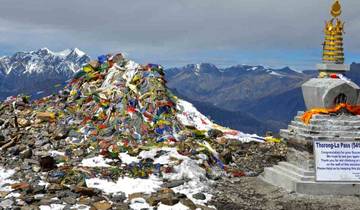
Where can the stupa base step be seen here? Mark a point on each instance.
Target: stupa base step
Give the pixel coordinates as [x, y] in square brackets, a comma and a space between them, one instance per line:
[295, 179]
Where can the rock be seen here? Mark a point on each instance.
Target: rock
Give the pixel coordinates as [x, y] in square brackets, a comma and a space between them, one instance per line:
[29, 199]
[3, 194]
[174, 183]
[121, 206]
[169, 200]
[102, 205]
[85, 200]
[61, 133]
[118, 197]
[46, 147]
[23, 122]
[202, 207]
[14, 150]
[226, 156]
[69, 200]
[167, 197]
[31, 207]
[215, 133]
[136, 195]
[180, 195]
[86, 191]
[35, 168]
[46, 116]
[187, 202]
[45, 201]
[41, 142]
[39, 196]
[27, 153]
[66, 193]
[153, 200]
[47, 163]
[54, 187]
[8, 203]
[199, 196]
[20, 202]
[20, 186]
[215, 173]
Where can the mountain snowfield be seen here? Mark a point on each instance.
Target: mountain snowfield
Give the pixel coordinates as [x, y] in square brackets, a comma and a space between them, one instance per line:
[43, 61]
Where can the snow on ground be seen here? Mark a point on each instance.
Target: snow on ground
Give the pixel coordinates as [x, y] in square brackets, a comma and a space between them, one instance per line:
[163, 159]
[126, 158]
[189, 115]
[4, 179]
[126, 185]
[188, 169]
[139, 203]
[98, 161]
[52, 207]
[54, 153]
[62, 206]
[80, 206]
[178, 206]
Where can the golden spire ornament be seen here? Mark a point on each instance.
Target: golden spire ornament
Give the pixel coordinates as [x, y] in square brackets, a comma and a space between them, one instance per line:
[333, 51]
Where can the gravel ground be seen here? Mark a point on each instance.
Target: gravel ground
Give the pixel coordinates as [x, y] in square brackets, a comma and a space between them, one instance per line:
[253, 193]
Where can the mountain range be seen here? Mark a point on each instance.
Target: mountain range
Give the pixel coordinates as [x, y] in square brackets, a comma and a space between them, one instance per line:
[38, 73]
[264, 98]
[253, 99]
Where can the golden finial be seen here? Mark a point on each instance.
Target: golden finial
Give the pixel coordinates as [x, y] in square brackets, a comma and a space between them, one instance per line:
[336, 9]
[333, 51]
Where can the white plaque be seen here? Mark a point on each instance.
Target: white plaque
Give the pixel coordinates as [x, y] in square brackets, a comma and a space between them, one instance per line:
[337, 161]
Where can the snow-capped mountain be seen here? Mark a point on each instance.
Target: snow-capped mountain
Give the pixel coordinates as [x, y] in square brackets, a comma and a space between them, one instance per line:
[38, 71]
[207, 68]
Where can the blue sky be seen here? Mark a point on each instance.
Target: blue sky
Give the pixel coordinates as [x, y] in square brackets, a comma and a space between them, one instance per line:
[273, 33]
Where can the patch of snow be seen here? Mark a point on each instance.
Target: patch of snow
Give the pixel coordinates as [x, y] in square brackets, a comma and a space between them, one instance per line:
[163, 159]
[126, 185]
[80, 207]
[13, 195]
[139, 203]
[98, 161]
[188, 169]
[197, 69]
[193, 187]
[63, 53]
[178, 206]
[79, 52]
[54, 153]
[4, 179]
[126, 158]
[189, 115]
[277, 74]
[43, 183]
[52, 207]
